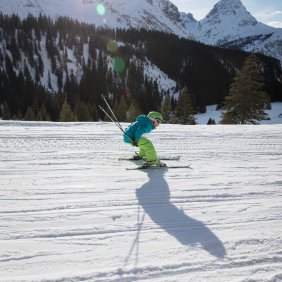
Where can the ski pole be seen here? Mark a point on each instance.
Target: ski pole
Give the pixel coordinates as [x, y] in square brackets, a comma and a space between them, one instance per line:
[114, 119]
[104, 98]
[116, 122]
[111, 119]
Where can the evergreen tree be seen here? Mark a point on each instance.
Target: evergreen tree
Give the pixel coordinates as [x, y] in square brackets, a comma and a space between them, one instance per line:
[93, 112]
[29, 115]
[45, 116]
[40, 65]
[133, 111]
[6, 112]
[184, 110]
[211, 121]
[166, 108]
[66, 114]
[39, 116]
[247, 100]
[81, 112]
[49, 81]
[120, 108]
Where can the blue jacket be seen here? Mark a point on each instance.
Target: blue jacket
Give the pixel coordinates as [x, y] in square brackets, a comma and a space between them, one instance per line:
[142, 125]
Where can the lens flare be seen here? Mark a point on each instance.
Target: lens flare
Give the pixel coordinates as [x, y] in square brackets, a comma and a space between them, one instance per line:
[101, 10]
[112, 46]
[118, 65]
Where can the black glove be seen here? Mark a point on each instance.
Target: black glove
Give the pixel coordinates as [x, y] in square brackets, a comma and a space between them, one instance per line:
[134, 142]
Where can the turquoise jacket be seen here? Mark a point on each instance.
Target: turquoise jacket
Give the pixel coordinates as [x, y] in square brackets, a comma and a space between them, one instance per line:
[142, 125]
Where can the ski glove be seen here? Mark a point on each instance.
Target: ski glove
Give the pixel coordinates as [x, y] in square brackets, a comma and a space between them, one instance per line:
[134, 142]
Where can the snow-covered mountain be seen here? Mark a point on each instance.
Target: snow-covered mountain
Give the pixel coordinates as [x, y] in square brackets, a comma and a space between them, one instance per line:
[228, 24]
[159, 15]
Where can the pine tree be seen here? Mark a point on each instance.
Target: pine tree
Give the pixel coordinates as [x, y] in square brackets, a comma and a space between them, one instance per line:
[66, 114]
[184, 110]
[49, 81]
[120, 108]
[133, 111]
[93, 112]
[166, 108]
[82, 112]
[43, 114]
[29, 115]
[247, 100]
[211, 121]
[6, 112]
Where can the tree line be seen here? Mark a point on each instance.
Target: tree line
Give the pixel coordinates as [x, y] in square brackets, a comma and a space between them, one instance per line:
[47, 66]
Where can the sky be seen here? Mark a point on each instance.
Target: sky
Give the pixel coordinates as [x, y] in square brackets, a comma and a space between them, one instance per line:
[265, 11]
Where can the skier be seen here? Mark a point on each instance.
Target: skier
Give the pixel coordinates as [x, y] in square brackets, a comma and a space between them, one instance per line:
[133, 135]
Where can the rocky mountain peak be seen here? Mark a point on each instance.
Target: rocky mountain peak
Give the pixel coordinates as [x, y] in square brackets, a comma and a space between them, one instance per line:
[233, 11]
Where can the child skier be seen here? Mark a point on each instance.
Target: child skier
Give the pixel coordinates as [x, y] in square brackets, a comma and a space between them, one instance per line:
[133, 134]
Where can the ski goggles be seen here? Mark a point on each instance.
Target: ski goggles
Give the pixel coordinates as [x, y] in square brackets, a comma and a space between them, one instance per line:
[156, 122]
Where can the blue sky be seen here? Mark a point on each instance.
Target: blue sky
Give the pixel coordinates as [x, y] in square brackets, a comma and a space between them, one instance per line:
[266, 11]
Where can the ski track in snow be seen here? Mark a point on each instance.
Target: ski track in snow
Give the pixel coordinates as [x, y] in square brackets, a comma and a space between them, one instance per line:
[69, 211]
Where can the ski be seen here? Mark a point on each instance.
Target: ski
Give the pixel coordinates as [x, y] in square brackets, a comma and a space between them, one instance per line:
[173, 158]
[158, 167]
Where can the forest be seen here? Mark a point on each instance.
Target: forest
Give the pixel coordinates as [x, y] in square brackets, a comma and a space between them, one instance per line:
[48, 66]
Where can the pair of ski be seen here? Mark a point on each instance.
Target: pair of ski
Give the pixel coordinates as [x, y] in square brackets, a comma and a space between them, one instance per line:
[176, 158]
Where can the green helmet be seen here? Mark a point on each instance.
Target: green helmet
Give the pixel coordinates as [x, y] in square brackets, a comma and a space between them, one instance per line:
[155, 115]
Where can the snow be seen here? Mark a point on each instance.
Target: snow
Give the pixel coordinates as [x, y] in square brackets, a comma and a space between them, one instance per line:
[275, 115]
[163, 81]
[71, 212]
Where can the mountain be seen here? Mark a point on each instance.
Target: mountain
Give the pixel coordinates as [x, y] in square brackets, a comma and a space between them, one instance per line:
[227, 21]
[45, 61]
[228, 24]
[160, 15]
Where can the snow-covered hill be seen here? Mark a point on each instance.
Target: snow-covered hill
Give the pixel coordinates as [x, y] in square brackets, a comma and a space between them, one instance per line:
[71, 212]
[228, 24]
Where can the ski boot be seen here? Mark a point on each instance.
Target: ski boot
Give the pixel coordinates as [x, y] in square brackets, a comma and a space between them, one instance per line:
[136, 157]
[156, 163]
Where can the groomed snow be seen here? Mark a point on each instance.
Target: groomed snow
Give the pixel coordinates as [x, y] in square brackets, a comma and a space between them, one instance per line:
[69, 211]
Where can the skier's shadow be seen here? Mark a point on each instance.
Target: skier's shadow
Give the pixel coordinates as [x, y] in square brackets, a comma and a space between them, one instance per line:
[154, 197]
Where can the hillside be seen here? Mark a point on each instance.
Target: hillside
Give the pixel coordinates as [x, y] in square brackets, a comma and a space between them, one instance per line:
[228, 24]
[45, 62]
[71, 212]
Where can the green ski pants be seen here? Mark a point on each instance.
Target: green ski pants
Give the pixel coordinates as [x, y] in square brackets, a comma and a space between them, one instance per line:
[147, 149]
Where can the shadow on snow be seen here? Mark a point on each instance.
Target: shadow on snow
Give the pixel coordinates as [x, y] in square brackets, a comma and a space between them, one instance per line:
[154, 197]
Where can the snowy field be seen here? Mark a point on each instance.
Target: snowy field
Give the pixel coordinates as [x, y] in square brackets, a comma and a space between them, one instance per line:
[69, 211]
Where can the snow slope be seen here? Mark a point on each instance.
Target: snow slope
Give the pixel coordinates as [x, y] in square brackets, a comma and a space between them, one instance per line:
[228, 24]
[71, 212]
[159, 15]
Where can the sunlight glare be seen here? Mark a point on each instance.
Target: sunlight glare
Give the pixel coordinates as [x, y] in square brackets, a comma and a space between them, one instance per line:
[101, 10]
[118, 65]
[112, 46]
